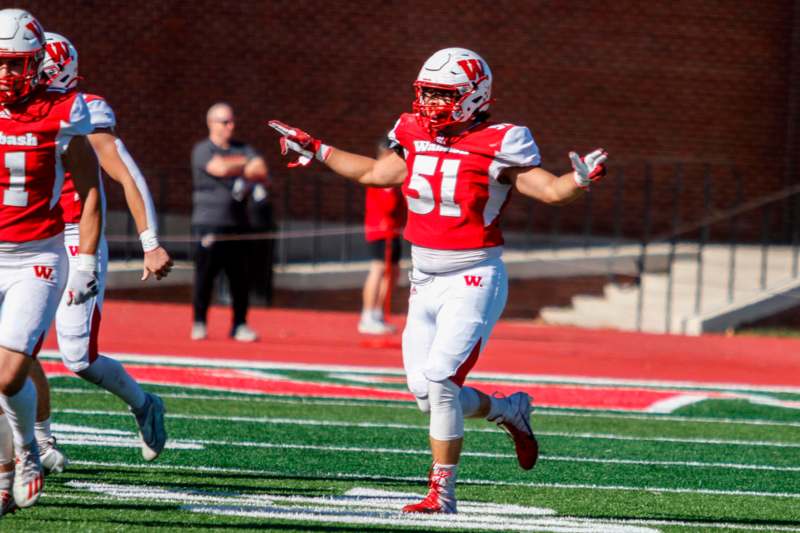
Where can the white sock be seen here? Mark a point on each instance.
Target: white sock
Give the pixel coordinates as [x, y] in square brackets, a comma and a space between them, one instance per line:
[20, 410]
[42, 431]
[498, 408]
[470, 401]
[6, 480]
[446, 483]
[366, 315]
[377, 315]
[6, 442]
[110, 375]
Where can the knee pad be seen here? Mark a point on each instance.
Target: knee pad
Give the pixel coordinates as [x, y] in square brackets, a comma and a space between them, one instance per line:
[74, 352]
[447, 417]
[424, 404]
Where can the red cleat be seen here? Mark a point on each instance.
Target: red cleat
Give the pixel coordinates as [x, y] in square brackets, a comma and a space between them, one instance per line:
[439, 498]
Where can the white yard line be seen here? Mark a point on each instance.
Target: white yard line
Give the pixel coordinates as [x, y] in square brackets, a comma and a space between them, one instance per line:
[377, 425]
[402, 404]
[468, 481]
[521, 378]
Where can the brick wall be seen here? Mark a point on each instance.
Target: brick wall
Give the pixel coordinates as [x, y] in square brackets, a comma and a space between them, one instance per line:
[696, 81]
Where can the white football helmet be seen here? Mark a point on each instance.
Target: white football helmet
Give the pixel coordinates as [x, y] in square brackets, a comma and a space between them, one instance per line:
[60, 65]
[461, 71]
[22, 44]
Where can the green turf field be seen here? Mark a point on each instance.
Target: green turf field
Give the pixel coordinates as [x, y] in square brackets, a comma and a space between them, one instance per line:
[245, 462]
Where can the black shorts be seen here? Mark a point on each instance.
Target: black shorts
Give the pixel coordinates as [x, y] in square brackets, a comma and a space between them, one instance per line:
[377, 250]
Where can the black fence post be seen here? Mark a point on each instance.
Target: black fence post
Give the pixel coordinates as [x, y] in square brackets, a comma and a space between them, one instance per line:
[705, 233]
[286, 223]
[733, 238]
[587, 222]
[348, 214]
[618, 188]
[677, 189]
[642, 262]
[765, 221]
[317, 224]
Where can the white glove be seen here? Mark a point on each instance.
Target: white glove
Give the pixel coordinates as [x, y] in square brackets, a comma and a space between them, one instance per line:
[298, 141]
[82, 284]
[588, 168]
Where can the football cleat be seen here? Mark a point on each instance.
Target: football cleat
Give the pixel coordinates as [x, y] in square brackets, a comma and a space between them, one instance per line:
[28, 476]
[7, 503]
[53, 459]
[441, 496]
[150, 419]
[516, 421]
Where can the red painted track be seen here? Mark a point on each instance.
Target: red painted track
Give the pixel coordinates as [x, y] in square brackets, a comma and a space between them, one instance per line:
[315, 337]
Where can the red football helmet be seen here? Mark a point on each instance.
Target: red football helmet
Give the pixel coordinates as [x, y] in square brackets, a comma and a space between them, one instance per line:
[453, 86]
[21, 53]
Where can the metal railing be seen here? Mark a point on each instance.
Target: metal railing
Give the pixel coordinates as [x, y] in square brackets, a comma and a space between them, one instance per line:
[773, 224]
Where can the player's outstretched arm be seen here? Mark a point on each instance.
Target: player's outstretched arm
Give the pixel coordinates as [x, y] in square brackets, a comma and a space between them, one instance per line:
[79, 159]
[156, 259]
[542, 185]
[389, 170]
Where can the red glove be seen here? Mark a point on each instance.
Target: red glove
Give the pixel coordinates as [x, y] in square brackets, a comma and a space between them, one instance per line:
[588, 168]
[298, 141]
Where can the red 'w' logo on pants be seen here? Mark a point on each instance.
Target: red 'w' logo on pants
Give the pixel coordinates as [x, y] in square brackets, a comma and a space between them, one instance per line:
[473, 281]
[73, 250]
[43, 272]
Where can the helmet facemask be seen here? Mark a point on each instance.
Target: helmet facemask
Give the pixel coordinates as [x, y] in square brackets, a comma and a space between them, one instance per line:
[21, 76]
[463, 81]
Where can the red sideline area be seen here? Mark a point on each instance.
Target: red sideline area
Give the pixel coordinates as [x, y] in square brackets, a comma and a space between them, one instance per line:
[516, 347]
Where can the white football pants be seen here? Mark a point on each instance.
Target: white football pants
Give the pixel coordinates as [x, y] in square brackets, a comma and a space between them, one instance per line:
[450, 317]
[32, 279]
[77, 326]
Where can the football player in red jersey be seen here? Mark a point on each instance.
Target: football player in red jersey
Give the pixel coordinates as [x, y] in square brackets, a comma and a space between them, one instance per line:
[457, 169]
[41, 135]
[77, 326]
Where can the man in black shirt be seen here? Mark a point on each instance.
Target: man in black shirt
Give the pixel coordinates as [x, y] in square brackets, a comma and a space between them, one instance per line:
[223, 172]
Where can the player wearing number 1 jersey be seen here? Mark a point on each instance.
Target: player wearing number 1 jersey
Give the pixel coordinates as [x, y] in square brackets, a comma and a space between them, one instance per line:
[457, 169]
[41, 135]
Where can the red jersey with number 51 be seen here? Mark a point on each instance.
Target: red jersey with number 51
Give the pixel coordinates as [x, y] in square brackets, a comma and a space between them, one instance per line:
[33, 137]
[452, 188]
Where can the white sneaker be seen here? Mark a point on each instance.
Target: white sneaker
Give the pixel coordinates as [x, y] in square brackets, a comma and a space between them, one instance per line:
[516, 421]
[150, 419]
[199, 331]
[243, 333]
[53, 460]
[375, 327]
[28, 476]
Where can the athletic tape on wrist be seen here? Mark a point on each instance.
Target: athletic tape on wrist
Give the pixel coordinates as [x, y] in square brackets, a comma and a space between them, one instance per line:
[323, 152]
[149, 240]
[87, 262]
[580, 181]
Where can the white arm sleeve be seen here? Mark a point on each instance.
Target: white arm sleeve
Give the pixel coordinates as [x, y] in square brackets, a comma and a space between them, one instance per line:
[518, 149]
[141, 184]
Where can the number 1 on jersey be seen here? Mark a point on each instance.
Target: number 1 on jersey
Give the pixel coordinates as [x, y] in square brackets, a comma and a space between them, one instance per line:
[425, 165]
[15, 195]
